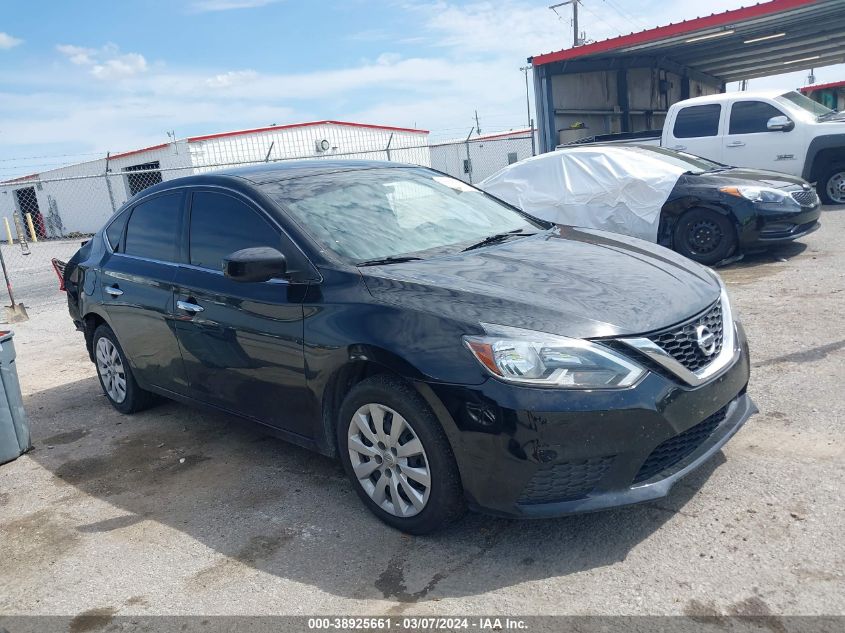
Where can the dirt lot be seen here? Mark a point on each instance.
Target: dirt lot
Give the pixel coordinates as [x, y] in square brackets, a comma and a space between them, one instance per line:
[176, 511]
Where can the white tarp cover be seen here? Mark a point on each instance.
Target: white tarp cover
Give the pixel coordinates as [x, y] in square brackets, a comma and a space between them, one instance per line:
[610, 188]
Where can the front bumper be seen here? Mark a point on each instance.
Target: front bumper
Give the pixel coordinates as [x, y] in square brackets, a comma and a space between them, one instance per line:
[773, 228]
[531, 452]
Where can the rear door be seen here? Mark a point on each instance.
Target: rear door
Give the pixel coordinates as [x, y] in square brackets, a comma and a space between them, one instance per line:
[137, 289]
[750, 143]
[695, 130]
[241, 342]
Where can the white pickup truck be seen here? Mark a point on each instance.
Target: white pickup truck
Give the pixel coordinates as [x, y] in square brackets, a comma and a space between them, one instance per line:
[778, 131]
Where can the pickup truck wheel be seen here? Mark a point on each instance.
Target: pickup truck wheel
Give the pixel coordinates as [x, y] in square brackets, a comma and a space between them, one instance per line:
[115, 375]
[831, 186]
[398, 457]
[705, 236]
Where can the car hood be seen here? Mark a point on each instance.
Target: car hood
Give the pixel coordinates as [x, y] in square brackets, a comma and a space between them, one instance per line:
[574, 282]
[742, 176]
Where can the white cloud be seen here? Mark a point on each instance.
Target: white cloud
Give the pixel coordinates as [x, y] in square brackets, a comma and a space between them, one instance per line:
[202, 6]
[120, 67]
[77, 54]
[107, 62]
[231, 78]
[7, 41]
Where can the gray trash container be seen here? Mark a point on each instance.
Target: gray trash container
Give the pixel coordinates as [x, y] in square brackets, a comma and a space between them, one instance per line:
[14, 429]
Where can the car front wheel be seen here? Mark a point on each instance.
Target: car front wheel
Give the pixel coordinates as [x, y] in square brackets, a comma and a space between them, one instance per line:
[115, 374]
[398, 457]
[832, 186]
[704, 236]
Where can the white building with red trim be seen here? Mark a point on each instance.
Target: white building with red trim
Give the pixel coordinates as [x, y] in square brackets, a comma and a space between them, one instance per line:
[474, 158]
[79, 198]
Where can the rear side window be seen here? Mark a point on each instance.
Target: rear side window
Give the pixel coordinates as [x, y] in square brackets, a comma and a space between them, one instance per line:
[750, 117]
[115, 231]
[695, 121]
[153, 228]
[221, 225]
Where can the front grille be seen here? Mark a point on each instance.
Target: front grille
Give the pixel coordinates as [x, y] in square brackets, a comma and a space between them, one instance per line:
[681, 342]
[566, 481]
[676, 448]
[805, 197]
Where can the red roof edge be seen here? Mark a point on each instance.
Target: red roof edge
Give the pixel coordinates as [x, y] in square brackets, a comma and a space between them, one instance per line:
[19, 179]
[138, 151]
[206, 137]
[813, 88]
[672, 30]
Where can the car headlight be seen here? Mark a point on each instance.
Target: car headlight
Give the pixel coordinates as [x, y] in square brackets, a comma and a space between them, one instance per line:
[760, 194]
[546, 360]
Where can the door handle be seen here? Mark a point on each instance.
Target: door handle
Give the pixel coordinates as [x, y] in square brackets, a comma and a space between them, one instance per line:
[114, 291]
[680, 147]
[736, 144]
[187, 306]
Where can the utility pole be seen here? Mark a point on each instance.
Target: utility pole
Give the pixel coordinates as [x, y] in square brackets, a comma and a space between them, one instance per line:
[525, 69]
[477, 124]
[576, 40]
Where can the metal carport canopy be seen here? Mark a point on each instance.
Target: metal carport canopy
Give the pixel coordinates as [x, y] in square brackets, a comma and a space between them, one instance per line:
[769, 38]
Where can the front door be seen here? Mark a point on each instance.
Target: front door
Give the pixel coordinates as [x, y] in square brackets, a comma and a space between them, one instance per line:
[241, 342]
[750, 143]
[137, 290]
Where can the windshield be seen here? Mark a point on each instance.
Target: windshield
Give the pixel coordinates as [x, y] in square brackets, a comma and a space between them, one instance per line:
[797, 102]
[380, 213]
[688, 162]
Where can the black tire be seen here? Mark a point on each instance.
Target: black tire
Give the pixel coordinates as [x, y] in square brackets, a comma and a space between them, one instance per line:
[445, 502]
[704, 236]
[832, 179]
[135, 399]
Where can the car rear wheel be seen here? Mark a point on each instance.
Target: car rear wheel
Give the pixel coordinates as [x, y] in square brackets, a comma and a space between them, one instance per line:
[398, 457]
[832, 186]
[115, 375]
[705, 236]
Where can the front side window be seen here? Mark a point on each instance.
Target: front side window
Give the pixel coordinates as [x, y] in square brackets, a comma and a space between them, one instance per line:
[751, 117]
[221, 225]
[153, 228]
[697, 121]
[376, 213]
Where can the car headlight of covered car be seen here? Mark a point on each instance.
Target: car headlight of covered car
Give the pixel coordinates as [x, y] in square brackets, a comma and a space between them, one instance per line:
[547, 360]
[764, 195]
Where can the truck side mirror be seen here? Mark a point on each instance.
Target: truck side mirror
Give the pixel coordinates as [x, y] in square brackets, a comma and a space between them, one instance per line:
[780, 124]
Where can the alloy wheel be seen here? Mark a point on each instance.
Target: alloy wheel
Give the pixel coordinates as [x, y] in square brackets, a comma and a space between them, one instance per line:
[389, 460]
[110, 368]
[836, 187]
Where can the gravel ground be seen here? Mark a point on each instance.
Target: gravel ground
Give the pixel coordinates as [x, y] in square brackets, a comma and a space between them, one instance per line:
[176, 511]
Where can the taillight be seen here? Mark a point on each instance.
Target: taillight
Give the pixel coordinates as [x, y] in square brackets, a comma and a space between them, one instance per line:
[59, 267]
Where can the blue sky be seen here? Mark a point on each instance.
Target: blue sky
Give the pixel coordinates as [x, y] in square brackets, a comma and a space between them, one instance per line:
[78, 78]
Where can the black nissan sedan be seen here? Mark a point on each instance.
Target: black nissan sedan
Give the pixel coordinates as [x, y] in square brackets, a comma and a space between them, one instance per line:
[452, 351]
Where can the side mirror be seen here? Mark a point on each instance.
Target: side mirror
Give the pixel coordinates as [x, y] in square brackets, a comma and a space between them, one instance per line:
[255, 264]
[780, 124]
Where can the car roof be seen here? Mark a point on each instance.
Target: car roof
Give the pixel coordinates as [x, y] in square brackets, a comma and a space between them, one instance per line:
[729, 96]
[266, 173]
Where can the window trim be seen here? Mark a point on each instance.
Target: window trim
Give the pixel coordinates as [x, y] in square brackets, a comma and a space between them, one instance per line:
[702, 105]
[731, 113]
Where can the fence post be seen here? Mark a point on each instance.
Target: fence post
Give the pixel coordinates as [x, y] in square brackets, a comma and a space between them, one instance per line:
[469, 159]
[533, 142]
[387, 149]
[108, 184]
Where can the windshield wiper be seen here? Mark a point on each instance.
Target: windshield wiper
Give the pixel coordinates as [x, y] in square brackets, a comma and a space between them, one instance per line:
[393, 259]
[497, 238]
[827, 115]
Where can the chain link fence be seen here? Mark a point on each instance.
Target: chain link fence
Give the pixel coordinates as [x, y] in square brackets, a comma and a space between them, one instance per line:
[48, 215]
